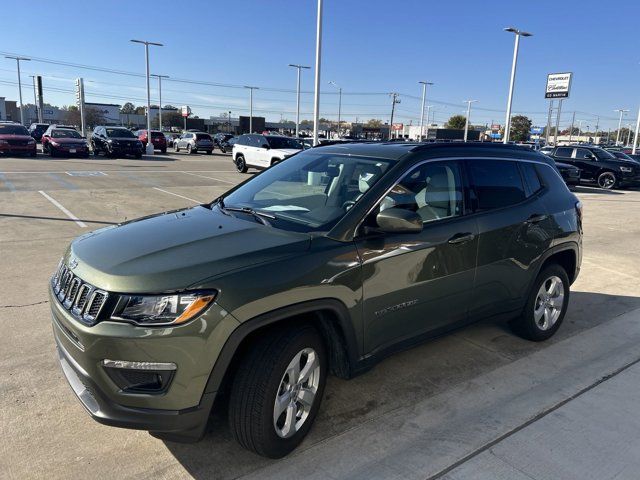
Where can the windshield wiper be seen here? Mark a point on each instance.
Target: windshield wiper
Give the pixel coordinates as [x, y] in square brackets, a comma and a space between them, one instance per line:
[260, 216]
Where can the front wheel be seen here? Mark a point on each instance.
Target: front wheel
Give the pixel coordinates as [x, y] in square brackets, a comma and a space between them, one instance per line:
[176, 148]
[277, 391]
[209, 152]
[607, 180]
[241, 165]
[546, 305]
[189, 149]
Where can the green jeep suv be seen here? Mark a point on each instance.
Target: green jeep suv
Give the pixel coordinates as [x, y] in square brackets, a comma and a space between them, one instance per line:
[322, 264]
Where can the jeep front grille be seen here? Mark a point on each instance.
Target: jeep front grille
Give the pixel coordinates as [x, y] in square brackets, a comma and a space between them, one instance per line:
[81, 299]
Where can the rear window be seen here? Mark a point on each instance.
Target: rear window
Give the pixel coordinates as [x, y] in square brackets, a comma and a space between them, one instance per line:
[203, 136]
[564, 152]
[119, 133]
[13, 130]
[497, 184]
[157, 135]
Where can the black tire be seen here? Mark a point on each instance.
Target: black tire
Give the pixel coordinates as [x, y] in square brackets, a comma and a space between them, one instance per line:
[209, 152]
[257, 384]
[223, 150]
[176, 148]
[33, 154]
[164, 150]
[189, 149]
[96, 150]
[274, 161]
[241, 165]
[52, 152]
[138, 156]
[526, 325]
[607, 180]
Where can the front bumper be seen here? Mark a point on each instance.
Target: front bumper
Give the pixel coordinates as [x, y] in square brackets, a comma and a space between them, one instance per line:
[182, 410]
[629, 180]
[18, 149]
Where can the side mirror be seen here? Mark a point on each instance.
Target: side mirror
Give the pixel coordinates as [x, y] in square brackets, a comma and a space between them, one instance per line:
[399, 220]
[265, 146]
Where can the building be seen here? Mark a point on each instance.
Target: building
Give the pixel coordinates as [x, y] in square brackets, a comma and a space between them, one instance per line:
[9, 110]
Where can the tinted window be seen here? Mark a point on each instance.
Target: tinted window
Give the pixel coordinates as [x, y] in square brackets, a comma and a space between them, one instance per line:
[203, 136]
[531, 178]
[583, 154]
[284, 142]
[564, 152]
[156, 135]
[242, 140]
[119, 133]
[603, 154]
[497, 183]
[65, 134]
[433, 190]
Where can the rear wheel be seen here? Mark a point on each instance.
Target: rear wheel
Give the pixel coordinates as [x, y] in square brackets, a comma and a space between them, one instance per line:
[164, 150]
[546, 305]
[607, 180]
[277, 391]
[241, 165]
[209, 152]
[176, 148]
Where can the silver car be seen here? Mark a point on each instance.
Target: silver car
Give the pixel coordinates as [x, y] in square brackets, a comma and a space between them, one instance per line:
[193, 142]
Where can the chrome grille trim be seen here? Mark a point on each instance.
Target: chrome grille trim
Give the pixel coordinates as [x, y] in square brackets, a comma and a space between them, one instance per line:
[84, 301]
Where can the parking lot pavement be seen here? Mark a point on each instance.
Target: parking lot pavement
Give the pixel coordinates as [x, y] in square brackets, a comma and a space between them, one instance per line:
[479, 403]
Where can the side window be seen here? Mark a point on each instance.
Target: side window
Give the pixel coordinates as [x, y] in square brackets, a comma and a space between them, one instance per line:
[564, 152]
[531, 178]
[496, 183]
[434, 190]
[583, 154]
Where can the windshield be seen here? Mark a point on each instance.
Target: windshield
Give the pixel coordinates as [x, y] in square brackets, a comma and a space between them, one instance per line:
[311, 191]
[603, 154]
[65, 134]
[120, 133]
[13, 130]
[284, 142]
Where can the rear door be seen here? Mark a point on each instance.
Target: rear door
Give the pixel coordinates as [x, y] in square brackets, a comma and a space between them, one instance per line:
[420, 283]
[514, 228]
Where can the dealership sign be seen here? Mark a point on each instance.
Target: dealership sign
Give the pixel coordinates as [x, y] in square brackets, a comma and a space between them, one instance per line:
[186, 111]
[558, 85]
[397, 127]
[495, 126]
[536, 130]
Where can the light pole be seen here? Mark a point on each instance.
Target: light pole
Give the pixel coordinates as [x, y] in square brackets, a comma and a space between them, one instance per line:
[298, 67]
[466, 125]
[159, 77]
[146, 56]
[394, 100]
[251, 89]
[339, 103]
[507, 123]
[424, 98]
[229, 121]
[426, 133]
[635, 137]
[17, 59]
[316, 93]
[622, 112]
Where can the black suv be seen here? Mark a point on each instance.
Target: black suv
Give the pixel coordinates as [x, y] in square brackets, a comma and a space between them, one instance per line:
[114, 141]
[599, 166]
[37, 129]
[224, 141]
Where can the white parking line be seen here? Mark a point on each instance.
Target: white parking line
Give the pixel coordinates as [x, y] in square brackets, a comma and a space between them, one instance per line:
[79, 222]
[210, 178]
[181, 196]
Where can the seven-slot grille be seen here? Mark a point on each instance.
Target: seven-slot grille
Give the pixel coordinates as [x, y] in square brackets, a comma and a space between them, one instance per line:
[82, 299]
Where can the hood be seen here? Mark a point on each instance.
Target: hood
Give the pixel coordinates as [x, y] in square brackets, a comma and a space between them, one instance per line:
[125, 139]
[286, 151]
[70, 141]
[174, 250]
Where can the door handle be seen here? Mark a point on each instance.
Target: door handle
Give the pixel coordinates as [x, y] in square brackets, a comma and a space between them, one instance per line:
[461, 238]
[536, 218]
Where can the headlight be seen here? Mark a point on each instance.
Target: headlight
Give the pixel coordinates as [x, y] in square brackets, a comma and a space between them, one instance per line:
[626, 169]
[162, 309]
[55, 144]
[3, 142]
[31, 142]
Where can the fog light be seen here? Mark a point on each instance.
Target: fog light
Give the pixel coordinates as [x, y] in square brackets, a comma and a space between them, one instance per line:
[140, 377]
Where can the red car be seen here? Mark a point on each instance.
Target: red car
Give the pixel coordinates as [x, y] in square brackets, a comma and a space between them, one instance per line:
[64, 141]
[15, 138]
[158, 139]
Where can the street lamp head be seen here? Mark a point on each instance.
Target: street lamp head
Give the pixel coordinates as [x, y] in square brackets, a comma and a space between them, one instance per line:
[425, 83]
[526, 34]
[511, 29]
[145, 42]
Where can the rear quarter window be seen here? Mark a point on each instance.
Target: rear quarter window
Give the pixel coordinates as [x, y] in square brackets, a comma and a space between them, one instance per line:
[496, 184]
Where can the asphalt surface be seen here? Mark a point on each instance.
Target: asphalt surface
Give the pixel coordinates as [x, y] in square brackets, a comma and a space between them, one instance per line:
[479, 403]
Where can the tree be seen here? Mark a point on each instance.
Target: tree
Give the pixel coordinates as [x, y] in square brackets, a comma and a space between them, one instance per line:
[520, 128]
[92, 116]
[457, 122]
[140, 110]
[374, 123]
[128, 108]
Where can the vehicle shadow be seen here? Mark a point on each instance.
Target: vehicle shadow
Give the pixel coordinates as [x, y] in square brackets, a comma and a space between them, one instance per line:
[399, 381]
[594, 189]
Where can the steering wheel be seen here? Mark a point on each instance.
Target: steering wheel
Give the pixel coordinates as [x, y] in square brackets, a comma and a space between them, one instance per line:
[348, 204]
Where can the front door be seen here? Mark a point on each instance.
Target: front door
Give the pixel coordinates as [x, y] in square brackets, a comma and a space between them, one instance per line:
[417, 283]
[585, 160]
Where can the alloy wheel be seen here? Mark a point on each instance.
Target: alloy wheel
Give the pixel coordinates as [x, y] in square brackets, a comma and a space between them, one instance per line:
[549, 303]
[296, 393]
[606, 180]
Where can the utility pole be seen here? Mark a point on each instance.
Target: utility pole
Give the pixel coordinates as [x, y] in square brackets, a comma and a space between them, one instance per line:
[159, 77]
[622, 112]
[635, 137]
[573, 119]
[229, 122]
[466, 125]
[555, 136]
[548, 121]
[17, 59]
[251, 89]
[518, 33]
[146, 54]
[35, 97]
[339, 103]
[426, 134]
[595, 135]
[424, 98]
[316, 94]
[394, 100]
[298, 67]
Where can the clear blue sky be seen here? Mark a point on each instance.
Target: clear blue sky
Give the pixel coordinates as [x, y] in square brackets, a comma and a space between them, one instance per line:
[370, 47]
